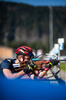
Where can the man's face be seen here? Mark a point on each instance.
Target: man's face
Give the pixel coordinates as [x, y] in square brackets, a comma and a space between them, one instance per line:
[26, 58]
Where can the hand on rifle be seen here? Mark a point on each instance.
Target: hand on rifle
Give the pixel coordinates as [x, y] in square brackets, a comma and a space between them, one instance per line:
[51, 64]
[30, 68]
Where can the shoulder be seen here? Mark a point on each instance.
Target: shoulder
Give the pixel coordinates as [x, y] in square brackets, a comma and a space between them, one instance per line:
[7, 61]
[6, 64]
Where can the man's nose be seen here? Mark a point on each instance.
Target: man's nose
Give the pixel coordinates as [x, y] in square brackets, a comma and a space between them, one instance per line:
[21, 59]
[26, 59]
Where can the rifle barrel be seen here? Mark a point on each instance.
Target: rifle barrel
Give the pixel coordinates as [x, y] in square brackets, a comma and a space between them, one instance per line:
[61, 59]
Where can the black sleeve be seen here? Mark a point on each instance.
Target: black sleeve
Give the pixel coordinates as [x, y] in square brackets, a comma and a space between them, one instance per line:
[5, 64]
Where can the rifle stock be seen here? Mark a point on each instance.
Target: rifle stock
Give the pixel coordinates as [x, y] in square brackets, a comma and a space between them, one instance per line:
[22, 65]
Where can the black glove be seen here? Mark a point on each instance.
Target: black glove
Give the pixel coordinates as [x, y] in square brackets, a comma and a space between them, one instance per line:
[51, 64]
[29, 68]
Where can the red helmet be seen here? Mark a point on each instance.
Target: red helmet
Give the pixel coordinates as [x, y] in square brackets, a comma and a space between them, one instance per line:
[24, 50]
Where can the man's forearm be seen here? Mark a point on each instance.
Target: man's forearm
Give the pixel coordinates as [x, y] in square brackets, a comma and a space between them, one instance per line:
[17, 75]
[9, 75]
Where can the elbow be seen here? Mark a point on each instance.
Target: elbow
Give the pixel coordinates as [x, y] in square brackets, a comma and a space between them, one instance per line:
[10, 77]
[8, 74]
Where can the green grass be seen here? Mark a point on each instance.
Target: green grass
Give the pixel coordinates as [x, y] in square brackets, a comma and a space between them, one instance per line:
[63, 66]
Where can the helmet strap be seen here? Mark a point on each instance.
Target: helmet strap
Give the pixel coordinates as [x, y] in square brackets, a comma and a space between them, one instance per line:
[17, 57]
[23, 57]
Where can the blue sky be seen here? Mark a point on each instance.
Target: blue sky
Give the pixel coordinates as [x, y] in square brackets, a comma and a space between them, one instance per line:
[41, 2]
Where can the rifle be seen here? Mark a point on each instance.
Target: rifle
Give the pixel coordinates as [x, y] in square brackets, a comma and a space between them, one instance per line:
[22, 65]
[39, 63]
